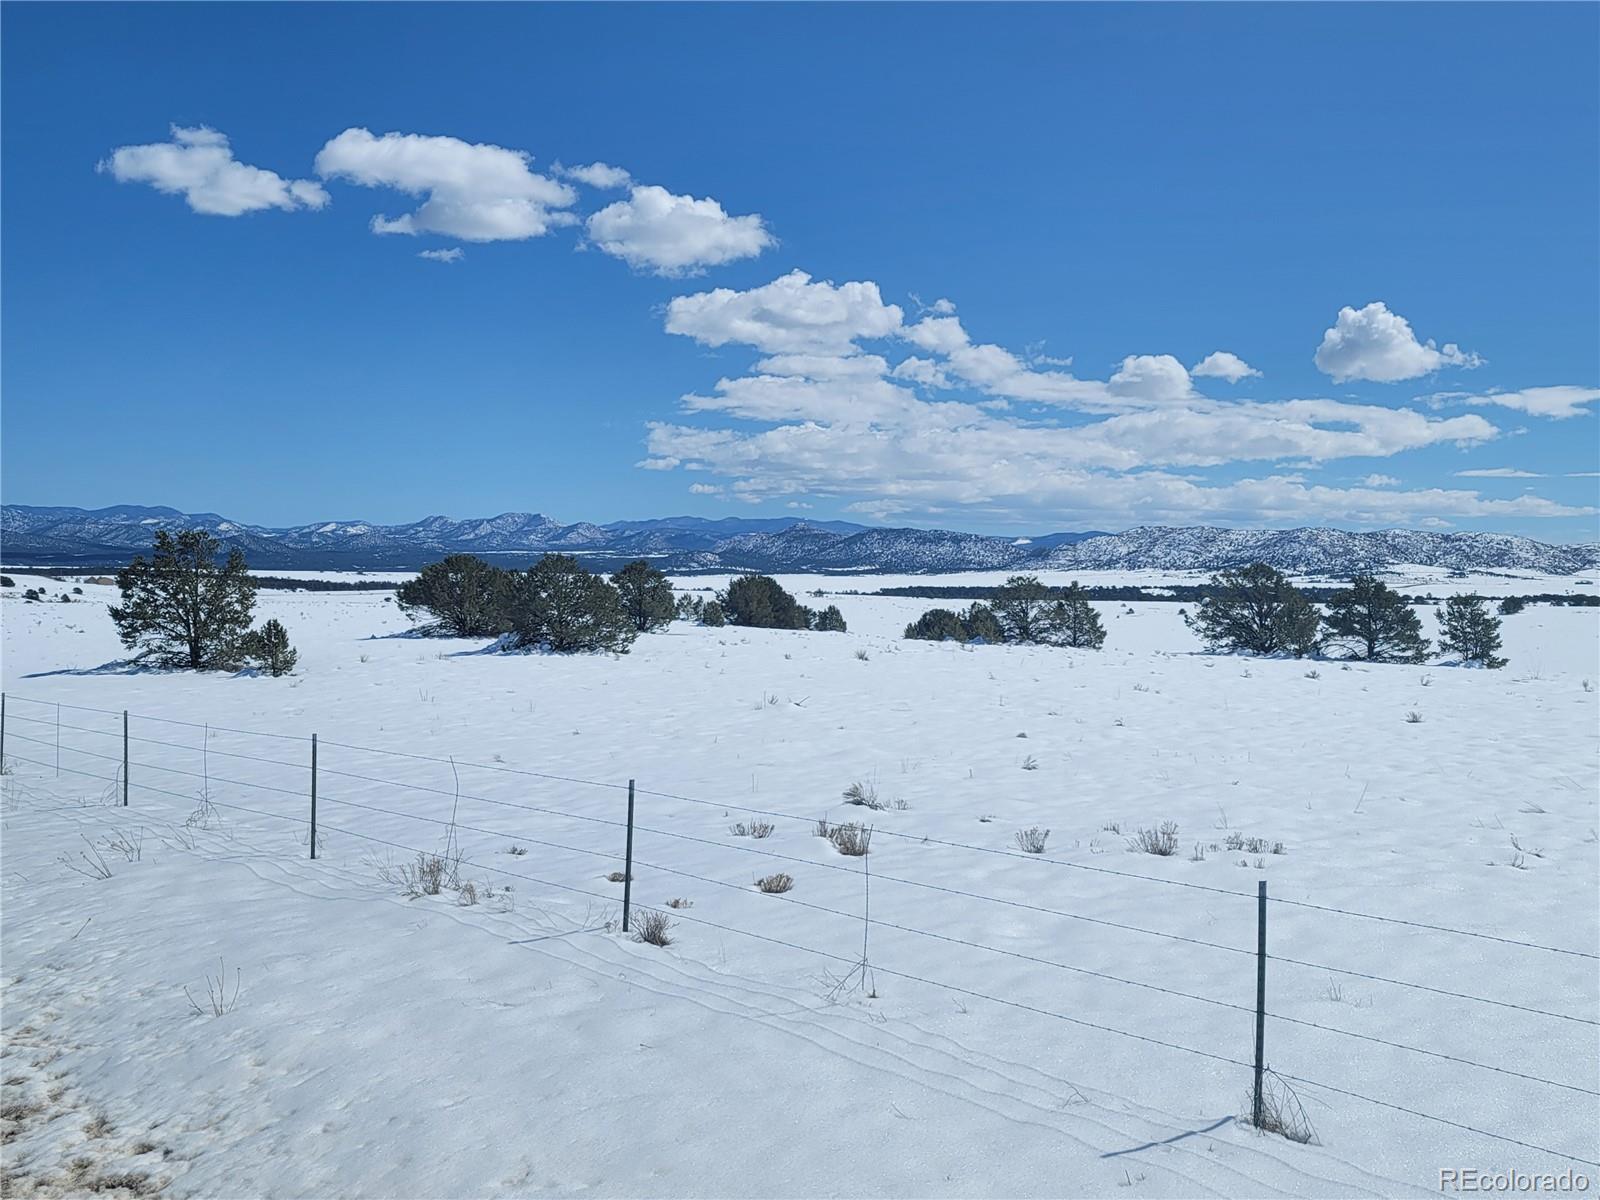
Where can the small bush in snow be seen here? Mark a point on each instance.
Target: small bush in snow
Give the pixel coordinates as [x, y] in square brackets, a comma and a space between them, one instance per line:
[1030, 763]
[862, 655]
[829, 620]
[680, 902]
[774, 884]
[617, 877]
[1282, 1112]
[751, 829]
[1032, 840]
[863, 794]
[268, 649]
[850, 838]
[1162, 840]
[1413, 717]
[218, 1002]
[652, 927]
[711, 615]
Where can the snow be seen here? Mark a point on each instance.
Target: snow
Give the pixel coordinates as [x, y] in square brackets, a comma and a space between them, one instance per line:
[383, 1046]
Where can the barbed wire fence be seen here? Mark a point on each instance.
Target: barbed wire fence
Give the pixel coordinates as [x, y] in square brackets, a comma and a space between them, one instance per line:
[287, 779]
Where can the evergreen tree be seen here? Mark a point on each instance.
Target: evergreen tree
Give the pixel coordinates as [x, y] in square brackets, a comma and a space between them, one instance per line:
[1255, 610]
[1025, 610]
[829, 620]
[979, 621]
[465, 596]
[646, 595]
[937, 625]
[1076, 622]
[559, 605]
[183, 609]
[1468, 628]
[758, 601]
[1512, 605]
[711, 615]
[689, 607]
[1372, 621]
[268, 647]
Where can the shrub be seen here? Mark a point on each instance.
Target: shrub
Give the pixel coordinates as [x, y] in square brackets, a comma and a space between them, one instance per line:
[1076, 622]
[1468, 628]
[652, 927]
[937, 625]
[711, 615]
[1374, 623]
[1024, 609]
[1162, 840]
[268, 647]
[775, 884]
[759, 602]
[646, 595]
[1255, 610]
[680, 902]
[979, 621]
[1512, 605]
[1032, 840]
[829, 620]
[688, 608]
[7, 581]
[751, 829]
[181, 608]
[464, 596]
[863, 794]
[850, 838]
[560, 606]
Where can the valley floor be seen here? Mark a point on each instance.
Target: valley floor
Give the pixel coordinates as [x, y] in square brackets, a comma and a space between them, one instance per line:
[1079, 1022]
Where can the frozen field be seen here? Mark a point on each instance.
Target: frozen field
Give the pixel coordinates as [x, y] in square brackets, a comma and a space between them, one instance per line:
[1076, 1023]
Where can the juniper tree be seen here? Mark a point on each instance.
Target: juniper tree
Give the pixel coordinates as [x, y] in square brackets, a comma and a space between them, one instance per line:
[559, 605]
[268, 647]
[465, 596]
[1372, 621]
[1512, 605]
[1025, 609]
[979, 621]
[829, 620]
[689, 608]
[1075, 621]
[711, 614]
[1255, 610]
[1468, 628]
[937, 625]
[181, 608]
[646, 595]
[758, 601]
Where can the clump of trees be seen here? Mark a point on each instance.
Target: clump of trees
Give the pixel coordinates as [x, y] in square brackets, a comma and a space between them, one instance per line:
[1468, 628]
[464, 596]
[1374, 623]
[646, 595]
[1256, 610]
[1023, 610]
[701, 611]
[759, 602]
[559, 606]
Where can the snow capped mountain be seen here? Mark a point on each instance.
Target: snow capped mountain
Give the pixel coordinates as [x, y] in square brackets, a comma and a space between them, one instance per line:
[110, 536]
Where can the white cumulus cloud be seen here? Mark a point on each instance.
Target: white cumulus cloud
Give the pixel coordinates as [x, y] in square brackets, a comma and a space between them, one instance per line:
[1153, 377]
[1375, 344]
[1220, 364]
[198, 164]
[597, 175]
[790, 315]
[657, 231]
[473, 191]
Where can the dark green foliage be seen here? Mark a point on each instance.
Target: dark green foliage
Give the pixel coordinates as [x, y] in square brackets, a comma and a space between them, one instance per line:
[1025, 609]
[1374, 623]
[1255, 610]
[829, 620]
[689, 608]
[646, 595]
[711, 614]
[560, 606]
[758, 601]
[269, 649]
[937, 625]
[979, 621]
[1075, 621]
[1512, 605]
[7, 581]
[464, 596]
[1468, 628]
[182, 608]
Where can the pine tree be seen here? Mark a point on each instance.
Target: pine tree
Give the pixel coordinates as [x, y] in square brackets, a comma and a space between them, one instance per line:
[1372, 621]
[560, 606]
[829, 620]
[688, 608]
[1512, 605]
[937, 625]
[1468, 628]
[979, 621]
[268, 647]
[646, 595]
[711, 615]
[1025, 610]
[465, 596]
[1076, 622]
[758, 601]
[181, 608]
[1255, 610]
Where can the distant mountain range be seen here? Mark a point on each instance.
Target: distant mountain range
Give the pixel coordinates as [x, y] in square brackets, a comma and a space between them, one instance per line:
[104, 537]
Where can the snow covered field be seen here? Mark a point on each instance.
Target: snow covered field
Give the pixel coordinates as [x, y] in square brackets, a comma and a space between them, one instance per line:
[1075, 1023]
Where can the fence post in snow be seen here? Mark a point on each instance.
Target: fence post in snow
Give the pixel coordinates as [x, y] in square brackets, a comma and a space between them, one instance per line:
[2, 728]
[58, 740]
[627, 865]
[124, 758]
[1261, 996]
[313, 795]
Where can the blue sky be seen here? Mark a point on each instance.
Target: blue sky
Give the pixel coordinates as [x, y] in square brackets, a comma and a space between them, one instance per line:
[945, 265]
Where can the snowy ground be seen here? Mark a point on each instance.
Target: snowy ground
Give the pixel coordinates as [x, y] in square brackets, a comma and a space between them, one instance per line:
[523, 1045]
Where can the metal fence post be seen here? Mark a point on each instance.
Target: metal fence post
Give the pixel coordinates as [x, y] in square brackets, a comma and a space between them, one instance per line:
[2, 728]
[58, 740]
[313, 795]
[124, 758]
[627, 865]
[1261, 995]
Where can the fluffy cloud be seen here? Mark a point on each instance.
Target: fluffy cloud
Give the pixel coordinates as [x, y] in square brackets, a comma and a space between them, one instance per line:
[453, 254]
[597, 175]
[1220, 364]
[474, 191]
[675, 235]
[790, 315]
[1376, 344]
[198, 165]
[1154, 377]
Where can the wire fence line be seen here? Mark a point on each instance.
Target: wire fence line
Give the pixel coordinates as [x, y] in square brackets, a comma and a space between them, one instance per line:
[129, 773]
